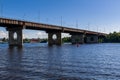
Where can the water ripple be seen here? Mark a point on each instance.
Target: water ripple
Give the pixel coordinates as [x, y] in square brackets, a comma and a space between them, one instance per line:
[68, 62]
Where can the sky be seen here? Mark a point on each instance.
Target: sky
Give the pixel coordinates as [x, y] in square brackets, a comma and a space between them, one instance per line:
[94, 15]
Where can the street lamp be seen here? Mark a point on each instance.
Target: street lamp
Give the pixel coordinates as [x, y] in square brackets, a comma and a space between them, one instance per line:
[1, 8]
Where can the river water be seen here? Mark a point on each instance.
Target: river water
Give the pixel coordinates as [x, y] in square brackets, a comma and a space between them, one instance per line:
[67, 62]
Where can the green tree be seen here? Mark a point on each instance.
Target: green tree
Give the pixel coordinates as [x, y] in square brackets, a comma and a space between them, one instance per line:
[113, 37]
[4, 39]
[66, 39]
[26, 40]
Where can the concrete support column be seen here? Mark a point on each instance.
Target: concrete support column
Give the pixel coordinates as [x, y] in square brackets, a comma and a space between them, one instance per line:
[18, 41]
[57, 41]
[91, 39]
[75, 38]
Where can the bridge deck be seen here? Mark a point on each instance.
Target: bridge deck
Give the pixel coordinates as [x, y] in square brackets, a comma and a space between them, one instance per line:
[5, 22]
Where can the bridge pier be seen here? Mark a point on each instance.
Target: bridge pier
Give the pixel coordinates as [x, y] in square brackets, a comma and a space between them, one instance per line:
[77, 38]
[57, 41]
[91, 39]
[101, 38]
[18, 41]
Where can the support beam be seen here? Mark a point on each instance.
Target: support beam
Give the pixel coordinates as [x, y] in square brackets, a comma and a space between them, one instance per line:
[19, 36]
[57, 41]
[91, 39]
[77, 38]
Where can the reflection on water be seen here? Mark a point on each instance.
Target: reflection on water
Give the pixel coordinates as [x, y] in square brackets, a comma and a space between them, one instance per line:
[66, 62]
[13, 66]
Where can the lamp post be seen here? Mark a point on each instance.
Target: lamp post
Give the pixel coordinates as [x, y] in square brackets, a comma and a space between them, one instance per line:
[1, 8]
[61, 21]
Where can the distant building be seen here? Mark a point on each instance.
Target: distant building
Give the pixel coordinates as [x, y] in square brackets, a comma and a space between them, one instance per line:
[34, 40]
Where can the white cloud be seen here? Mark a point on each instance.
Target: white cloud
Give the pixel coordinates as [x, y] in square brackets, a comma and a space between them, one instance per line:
[24, 36]
[65, 35]
[3, 34]
[39, 34]
[42, 34]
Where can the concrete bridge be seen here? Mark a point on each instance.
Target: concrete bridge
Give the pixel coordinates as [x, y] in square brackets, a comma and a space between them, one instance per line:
[77, 35]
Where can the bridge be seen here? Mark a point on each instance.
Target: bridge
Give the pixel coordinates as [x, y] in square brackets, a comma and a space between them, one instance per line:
[77, 35]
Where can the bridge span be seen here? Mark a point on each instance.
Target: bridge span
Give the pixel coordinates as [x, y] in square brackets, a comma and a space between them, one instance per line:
[17, 26]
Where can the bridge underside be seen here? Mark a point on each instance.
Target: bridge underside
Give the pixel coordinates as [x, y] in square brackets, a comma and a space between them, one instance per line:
[77, 38]
[91, 39]
[84, 38]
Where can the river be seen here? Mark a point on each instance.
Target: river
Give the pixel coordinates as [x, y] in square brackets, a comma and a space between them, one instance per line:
[37, 61]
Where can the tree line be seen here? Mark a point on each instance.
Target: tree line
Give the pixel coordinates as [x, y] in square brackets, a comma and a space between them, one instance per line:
[113, 37]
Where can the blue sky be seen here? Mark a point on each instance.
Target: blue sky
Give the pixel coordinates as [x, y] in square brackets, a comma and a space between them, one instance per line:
[95, 15]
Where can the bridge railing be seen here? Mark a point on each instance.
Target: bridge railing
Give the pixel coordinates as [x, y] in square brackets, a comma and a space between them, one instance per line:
[43, 25]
